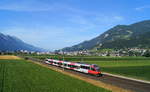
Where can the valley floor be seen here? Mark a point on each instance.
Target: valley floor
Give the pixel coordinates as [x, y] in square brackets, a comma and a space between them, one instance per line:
[135, 67]
[23, 76]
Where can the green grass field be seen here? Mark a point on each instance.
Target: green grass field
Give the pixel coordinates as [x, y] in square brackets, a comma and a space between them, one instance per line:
[22, 76]
[89, 58]
[136, 67]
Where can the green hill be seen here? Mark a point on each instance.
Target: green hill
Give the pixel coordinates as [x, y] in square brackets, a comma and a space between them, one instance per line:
[119, 37]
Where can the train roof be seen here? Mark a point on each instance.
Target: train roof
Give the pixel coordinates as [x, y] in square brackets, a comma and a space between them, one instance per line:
[75, 63]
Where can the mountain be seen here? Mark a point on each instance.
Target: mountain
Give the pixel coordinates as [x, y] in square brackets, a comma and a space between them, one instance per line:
[11, 43]
[118, 37]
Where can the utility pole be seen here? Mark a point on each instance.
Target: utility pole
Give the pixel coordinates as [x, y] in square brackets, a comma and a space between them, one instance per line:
[63, 60]
[81, 56]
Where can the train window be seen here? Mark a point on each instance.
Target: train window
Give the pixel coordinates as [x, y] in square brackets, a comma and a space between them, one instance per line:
[55, 63]
[97, 69]
[77, 67]
[85, 67]
[65, 64]
[92, 69]
[72, 66]
[82, 67]
[69, 65]
[59, 63]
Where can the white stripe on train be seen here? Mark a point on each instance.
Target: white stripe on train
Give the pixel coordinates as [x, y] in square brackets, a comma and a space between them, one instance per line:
[80, 67]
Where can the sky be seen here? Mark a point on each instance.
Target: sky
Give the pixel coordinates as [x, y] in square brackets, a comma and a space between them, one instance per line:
[55, 24]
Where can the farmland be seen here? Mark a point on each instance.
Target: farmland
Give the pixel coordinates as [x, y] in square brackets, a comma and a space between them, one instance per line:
[23, 76]
[8, 57]
[88, 58]
[136, 67]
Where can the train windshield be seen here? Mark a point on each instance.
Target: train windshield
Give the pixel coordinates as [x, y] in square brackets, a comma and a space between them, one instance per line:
[97, 68]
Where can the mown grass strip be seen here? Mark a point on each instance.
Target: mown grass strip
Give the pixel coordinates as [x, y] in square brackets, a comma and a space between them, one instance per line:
[5, 57]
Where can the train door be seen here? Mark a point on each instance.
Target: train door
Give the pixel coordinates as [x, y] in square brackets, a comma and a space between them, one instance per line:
[84, 69]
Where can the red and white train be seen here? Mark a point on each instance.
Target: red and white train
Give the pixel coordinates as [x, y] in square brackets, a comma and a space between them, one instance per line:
[80, 67]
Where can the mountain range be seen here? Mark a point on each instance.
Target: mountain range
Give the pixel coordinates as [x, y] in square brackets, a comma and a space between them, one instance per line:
[135, 35]
[11, 43]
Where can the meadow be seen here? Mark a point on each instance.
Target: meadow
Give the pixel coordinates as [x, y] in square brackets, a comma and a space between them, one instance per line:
[88, 58]
[23, 76]
[136, 67]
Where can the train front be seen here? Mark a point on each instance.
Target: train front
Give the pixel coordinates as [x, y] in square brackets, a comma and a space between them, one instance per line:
[95, 69]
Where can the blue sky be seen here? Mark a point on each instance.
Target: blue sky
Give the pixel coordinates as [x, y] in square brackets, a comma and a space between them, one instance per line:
[54, 24]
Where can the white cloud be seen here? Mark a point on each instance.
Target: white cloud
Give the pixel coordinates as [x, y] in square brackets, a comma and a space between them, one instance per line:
[109, 19]
[86, 23]
[32, 6]
[142, 8]
[118, 18]
[78, 20]
[23, 8]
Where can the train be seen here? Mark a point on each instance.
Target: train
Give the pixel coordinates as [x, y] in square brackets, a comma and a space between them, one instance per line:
[91, 69]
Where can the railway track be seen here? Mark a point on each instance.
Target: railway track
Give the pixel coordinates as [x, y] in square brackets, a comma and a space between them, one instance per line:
[133, 85]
